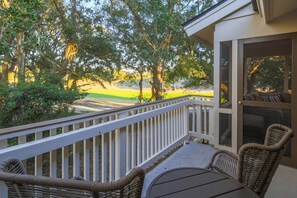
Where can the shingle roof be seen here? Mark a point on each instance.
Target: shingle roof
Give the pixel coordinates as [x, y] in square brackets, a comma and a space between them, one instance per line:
[203, 13]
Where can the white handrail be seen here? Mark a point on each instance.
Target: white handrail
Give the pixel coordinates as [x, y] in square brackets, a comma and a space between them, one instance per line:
[108, 145]
[31, 149]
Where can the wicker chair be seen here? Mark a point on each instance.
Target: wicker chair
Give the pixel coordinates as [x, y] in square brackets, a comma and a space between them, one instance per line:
[255, 164]
[19, 184]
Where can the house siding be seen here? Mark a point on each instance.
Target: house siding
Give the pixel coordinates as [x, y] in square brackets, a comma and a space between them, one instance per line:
[244, 24]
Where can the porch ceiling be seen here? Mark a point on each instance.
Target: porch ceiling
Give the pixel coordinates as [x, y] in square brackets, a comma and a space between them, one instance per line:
[273, 9]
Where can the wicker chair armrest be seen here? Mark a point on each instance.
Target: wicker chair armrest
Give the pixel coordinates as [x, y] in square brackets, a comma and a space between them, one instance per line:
[220, 152]
[224, 162]
[72, 183]
[257, 146]
[278, 135]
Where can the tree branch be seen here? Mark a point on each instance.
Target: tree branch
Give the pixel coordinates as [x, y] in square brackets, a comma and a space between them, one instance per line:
[61, 14]
[139, 24]
[47, 59]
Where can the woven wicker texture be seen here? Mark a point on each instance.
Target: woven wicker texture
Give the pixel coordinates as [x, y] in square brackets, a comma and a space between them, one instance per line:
[19, 184]
[255, 164]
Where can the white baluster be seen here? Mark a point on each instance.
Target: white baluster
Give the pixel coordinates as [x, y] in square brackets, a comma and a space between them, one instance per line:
[104, 158]
[23, 139]
[53, 157]
[65, 157]
[133, 146]
[159, 133]
[96, 158]
[111, 157]
[38, 159]
[143, 142]
[199, 116]
[76, 154]
[205, 120]
[211, 124]
[139, 152]
[86, 149]
[127, 147]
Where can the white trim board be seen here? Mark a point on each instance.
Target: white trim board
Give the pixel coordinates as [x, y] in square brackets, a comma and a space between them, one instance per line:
[215, 15]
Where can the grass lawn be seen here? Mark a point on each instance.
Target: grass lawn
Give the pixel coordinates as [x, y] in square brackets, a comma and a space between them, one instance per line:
[131, 94]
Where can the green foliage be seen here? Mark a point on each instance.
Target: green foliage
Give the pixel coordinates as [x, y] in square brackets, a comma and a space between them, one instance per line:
[36, 101]
[195, 71]
[152, 38]
[267, 73]
[35, 33]
[20, 17]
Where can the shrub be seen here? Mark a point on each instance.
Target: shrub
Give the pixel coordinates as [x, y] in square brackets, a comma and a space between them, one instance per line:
[43, 99]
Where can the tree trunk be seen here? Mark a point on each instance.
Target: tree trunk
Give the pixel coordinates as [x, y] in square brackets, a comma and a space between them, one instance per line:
[158, 81]
[20, 57]
[5, 68]
[140, 97]
[73, 84]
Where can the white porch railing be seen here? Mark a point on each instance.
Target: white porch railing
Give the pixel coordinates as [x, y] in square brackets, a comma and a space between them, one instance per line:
[104, 146]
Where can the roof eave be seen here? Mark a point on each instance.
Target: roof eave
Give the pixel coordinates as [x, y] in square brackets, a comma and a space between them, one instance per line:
[210, 18]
